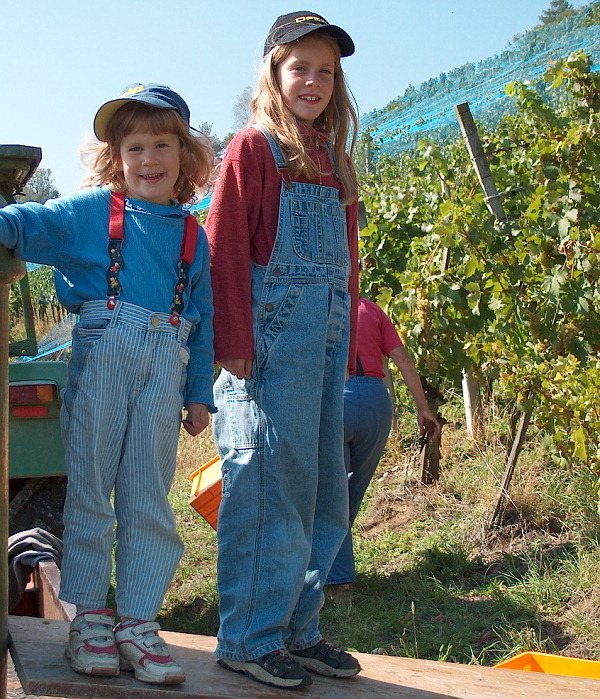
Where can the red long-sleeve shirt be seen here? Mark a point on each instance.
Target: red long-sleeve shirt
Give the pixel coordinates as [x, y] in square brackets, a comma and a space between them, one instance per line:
[242, 225]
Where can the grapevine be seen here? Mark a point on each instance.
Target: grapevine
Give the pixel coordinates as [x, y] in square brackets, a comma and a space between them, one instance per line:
[518, 303]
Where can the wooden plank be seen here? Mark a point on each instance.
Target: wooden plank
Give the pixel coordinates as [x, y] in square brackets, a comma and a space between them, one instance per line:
[37, 651]
[47, 576]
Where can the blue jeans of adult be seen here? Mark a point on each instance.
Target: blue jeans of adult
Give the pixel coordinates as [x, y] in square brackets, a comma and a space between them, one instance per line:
[367, 424]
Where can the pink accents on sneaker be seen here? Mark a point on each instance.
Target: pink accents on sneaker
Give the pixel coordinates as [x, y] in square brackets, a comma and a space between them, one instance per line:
[142, 650]
[91, 646]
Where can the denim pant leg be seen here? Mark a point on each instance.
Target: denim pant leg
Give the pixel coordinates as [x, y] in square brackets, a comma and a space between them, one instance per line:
[331, 512]
[367, 424]
[272, 545]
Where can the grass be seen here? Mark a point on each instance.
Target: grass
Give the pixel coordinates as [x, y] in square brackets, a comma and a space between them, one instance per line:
[433, 581]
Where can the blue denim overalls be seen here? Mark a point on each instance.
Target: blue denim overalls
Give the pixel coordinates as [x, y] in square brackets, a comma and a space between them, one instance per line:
[284, 510]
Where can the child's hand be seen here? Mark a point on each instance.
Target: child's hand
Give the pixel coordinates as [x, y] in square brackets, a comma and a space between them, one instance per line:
[197, 418]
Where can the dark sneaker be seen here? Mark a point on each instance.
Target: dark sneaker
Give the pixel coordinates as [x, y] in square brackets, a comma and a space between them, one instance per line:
[326, 659]
[277, 669]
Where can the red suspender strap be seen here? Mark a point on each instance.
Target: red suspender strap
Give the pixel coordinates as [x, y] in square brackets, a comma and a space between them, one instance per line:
[117, 216]
[188, 251]
[190, 239]
[115, 242]
[116, 235]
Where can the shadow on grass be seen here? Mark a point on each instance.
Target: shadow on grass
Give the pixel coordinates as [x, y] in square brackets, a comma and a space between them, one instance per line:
[197, 615]
[450, 606]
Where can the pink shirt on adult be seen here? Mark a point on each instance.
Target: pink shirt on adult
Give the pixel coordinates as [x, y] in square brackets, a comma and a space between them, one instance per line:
[377, 336]
[242, 225]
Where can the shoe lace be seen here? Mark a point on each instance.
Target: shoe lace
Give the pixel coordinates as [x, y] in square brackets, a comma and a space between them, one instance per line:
[277, 657]
[326, 648]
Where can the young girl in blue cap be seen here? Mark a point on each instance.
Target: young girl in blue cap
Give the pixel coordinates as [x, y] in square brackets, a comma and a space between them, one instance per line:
[134, 266]
[282, 230]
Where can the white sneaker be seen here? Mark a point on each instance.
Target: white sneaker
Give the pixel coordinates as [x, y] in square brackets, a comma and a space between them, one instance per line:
[91, 646]
[142, 650]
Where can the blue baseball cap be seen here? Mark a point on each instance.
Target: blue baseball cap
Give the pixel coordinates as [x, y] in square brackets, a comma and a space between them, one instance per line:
[155, 95]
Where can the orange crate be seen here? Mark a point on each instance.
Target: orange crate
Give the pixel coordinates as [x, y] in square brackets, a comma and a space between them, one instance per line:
[205, 497]
[553, 665]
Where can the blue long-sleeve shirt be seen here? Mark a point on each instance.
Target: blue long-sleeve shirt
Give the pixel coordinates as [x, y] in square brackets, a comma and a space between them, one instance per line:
[71, 235]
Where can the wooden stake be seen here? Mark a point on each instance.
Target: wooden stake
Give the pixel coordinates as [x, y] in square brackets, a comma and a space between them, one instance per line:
[471, 386]
[494, 204]
[479, 160]
[510, 465]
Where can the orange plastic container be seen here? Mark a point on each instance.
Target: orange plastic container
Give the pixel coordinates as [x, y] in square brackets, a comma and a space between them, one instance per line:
[205, 497]
[553, 665]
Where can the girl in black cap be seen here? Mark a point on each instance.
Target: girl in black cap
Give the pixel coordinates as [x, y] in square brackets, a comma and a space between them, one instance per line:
[282, 231]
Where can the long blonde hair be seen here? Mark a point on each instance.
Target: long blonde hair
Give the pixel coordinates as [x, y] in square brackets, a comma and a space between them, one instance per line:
[103, 159]
[338, 120]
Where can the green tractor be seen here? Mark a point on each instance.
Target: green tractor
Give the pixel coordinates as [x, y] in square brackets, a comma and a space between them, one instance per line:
[37, 470]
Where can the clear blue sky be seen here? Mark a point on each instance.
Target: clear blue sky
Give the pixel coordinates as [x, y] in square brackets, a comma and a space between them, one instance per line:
[61, 60]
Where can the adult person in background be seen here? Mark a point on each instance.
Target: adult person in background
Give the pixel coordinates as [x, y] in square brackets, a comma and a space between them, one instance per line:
[367, 423]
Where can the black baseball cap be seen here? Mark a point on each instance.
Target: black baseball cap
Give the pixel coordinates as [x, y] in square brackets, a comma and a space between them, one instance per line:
[295, 25]
[153, 94]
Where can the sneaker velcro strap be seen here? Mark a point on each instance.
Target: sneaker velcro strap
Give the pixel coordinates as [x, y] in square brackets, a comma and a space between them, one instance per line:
[88, 633]
[141, 629]
[92, 618]
[145, 638]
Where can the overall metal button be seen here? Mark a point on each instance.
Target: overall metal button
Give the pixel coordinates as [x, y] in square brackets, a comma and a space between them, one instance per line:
[277, 272]
[269, 307]
[155, 321]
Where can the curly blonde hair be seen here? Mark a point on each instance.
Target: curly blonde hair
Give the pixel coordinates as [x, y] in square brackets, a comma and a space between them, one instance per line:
[103, 159]
[338, 119]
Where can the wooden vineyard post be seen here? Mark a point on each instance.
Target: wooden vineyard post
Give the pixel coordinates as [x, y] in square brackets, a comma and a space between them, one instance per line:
[430, 450]
[494, 203]
[471, 386]
[430, 462]
[479, 160]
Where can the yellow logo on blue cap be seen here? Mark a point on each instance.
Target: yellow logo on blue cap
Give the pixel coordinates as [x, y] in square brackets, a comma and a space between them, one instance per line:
[133, 90]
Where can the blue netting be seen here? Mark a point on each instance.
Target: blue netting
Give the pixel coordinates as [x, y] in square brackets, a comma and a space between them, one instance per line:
[429, 108]
[202, 204]
[56, 343]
